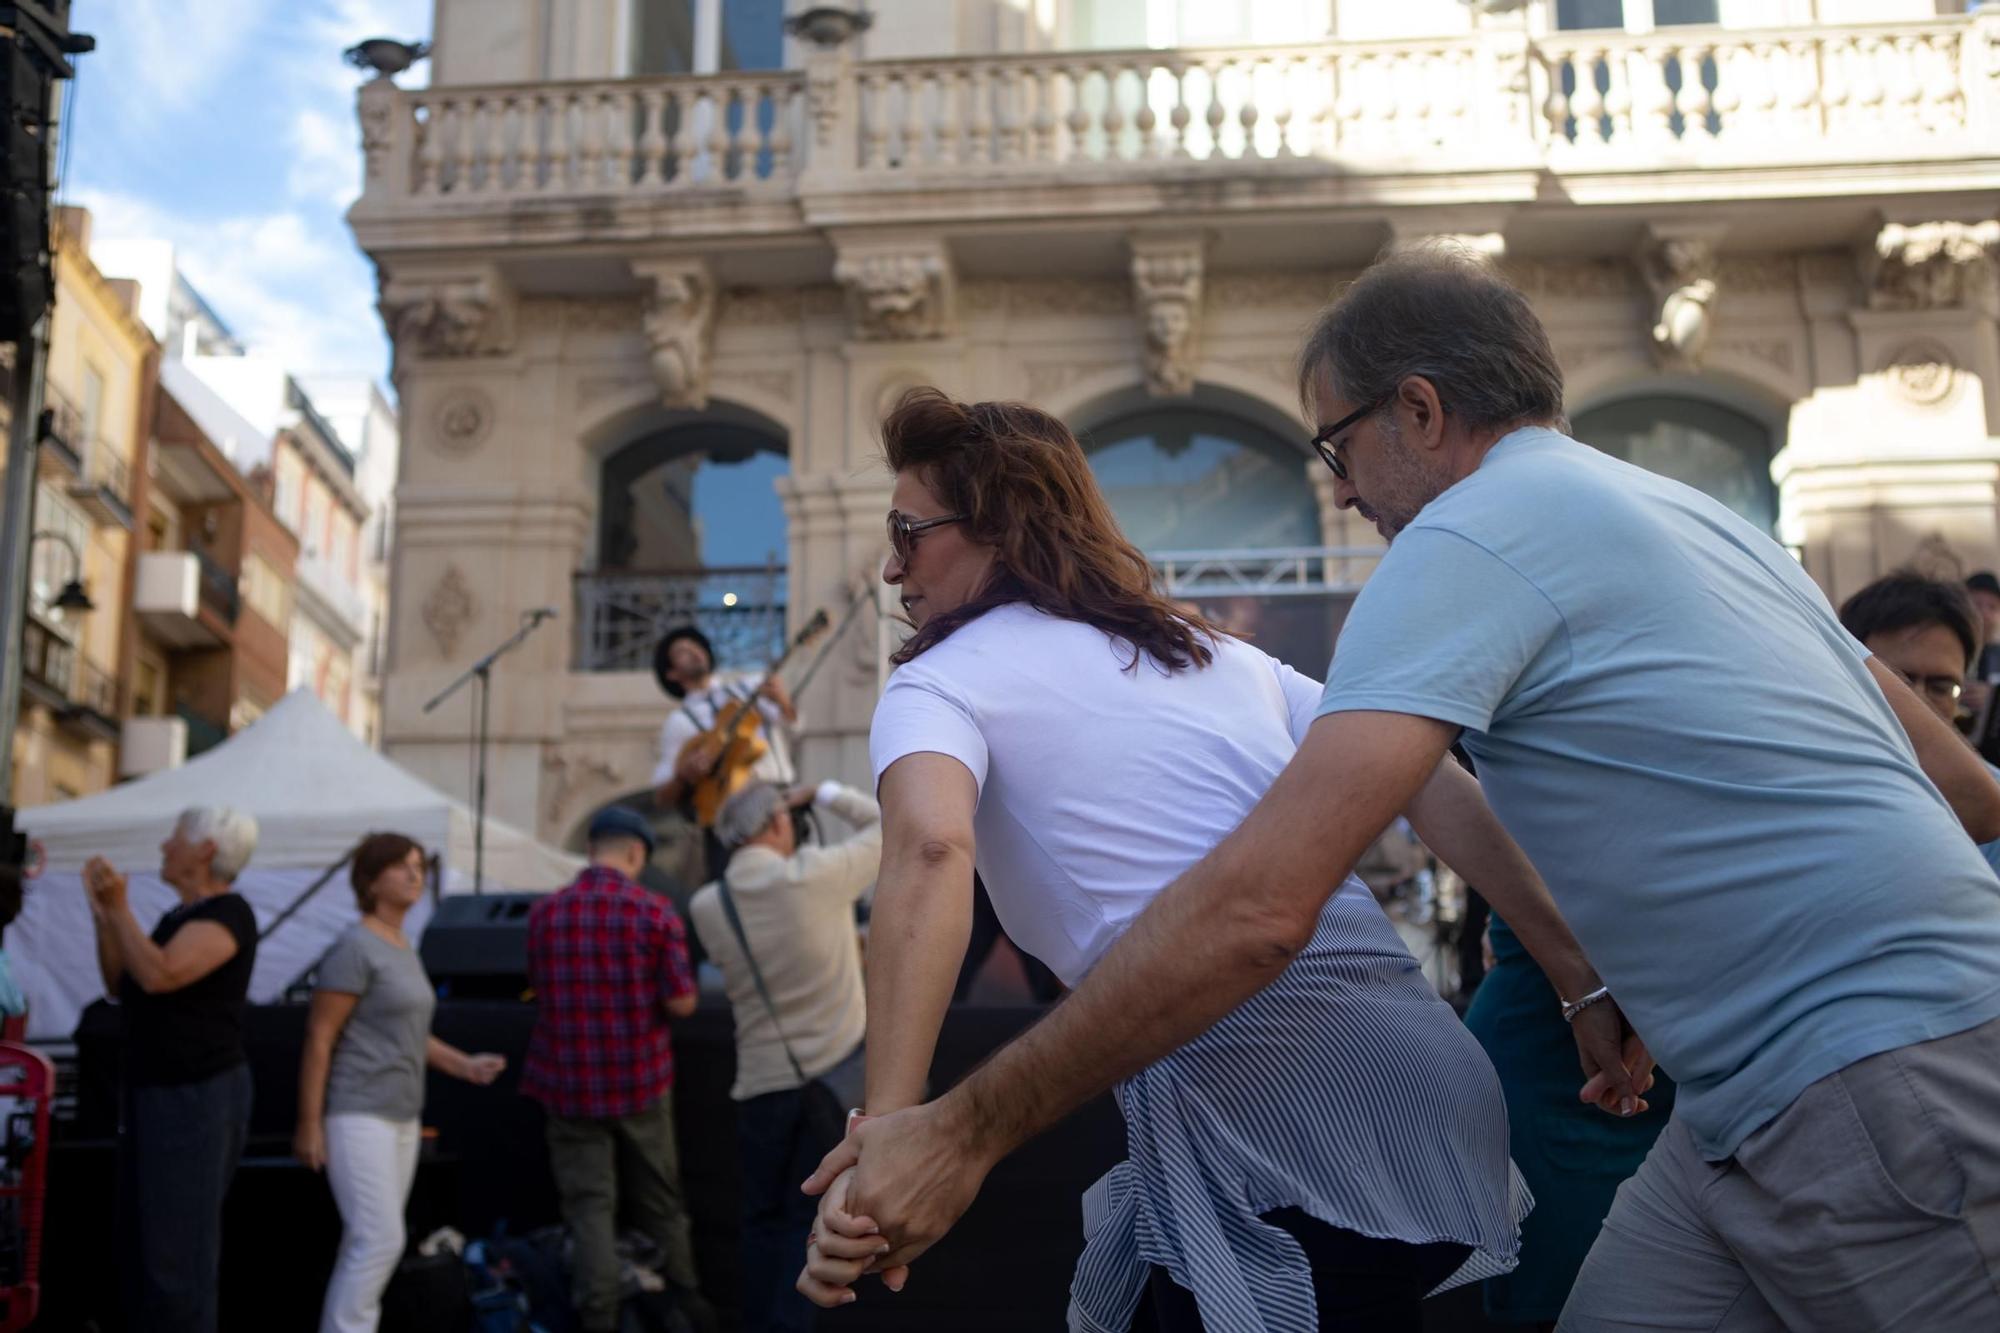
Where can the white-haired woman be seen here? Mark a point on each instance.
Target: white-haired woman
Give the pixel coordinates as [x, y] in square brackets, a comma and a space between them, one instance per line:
[186, 1103]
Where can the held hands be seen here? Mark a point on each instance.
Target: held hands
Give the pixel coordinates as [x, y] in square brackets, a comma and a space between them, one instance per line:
[801, 796]
[908, 1177]
[1617, 1067]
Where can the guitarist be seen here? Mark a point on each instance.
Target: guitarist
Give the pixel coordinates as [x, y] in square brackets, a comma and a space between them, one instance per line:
[684, 664]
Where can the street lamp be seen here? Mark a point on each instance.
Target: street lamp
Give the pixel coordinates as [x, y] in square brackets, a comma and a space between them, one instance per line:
[827, 26]
[385, 55]
[72, 597]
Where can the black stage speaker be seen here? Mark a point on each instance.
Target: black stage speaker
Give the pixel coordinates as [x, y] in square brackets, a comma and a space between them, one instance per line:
[476, 945]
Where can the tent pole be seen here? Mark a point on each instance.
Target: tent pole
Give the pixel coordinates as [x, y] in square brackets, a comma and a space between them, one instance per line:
[300, 901]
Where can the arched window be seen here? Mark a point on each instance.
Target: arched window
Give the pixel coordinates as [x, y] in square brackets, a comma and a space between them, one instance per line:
[1185, 479]
[690, 528]
[1719, 452]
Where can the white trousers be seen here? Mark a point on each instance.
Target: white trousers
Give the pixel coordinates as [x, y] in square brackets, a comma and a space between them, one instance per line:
[370, 1162]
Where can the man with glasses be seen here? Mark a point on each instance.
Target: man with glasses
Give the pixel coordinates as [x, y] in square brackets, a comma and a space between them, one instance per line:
[1927, 632]
[1754, 827]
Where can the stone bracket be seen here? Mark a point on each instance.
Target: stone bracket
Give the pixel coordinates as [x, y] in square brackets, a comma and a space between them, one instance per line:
[1933, 266]
[461, 311]
[1678, 262]
[1167, 291]
[679, 318]
[898, 290]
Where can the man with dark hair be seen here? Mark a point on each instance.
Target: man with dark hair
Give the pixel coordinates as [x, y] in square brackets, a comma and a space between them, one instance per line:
[1754, 828]
[1985, 591]
[1925, 631]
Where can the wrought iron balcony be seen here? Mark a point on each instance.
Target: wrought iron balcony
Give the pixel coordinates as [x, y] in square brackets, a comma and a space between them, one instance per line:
[104, 486]
[622, 616]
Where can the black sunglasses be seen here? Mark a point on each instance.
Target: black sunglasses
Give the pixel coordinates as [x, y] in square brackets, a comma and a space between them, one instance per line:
[1324, 440]
[904, 531]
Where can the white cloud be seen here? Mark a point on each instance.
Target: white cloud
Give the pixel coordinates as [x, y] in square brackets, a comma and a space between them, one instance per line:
[326, 161]
[171, 54]
[282, 287]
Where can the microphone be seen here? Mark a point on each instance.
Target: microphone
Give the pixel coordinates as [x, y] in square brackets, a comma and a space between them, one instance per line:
[539, 614]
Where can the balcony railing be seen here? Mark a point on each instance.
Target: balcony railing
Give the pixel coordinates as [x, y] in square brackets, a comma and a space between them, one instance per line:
[622, 617]
[219, 592]
[1574, 101]
[1278, 572]
[62, 426]
[76, 689]
[105, 486]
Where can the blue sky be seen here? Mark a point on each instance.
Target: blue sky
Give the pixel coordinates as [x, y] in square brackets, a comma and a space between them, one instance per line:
[227, 127]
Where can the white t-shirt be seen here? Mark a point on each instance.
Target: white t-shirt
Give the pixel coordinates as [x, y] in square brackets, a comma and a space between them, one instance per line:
[1098, 785]
[700, 711]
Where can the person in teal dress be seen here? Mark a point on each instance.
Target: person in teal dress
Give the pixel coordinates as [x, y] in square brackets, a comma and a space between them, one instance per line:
[1573, 1156]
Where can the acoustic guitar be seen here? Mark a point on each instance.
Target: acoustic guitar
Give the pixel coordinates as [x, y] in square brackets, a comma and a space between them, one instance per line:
[735, 732]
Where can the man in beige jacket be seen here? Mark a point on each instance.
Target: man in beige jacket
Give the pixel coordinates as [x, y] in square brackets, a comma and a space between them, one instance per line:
[800, 1013]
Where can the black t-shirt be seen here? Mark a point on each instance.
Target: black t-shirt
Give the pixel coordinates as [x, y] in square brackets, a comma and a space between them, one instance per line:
[195, 1032]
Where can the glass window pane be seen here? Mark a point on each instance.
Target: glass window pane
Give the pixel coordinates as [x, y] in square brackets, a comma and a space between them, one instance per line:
[665, 37]
[753, 34]
[1673, 13]
[1573, 14]
[1191, 480]
[1721, 453]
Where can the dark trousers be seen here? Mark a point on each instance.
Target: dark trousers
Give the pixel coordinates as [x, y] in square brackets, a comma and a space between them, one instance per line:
[780, 1142]
[177, 1150]
[620, 1167]
[1361, 1284]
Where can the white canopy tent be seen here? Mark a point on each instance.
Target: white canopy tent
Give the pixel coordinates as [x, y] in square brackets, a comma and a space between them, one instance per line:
[314, 790]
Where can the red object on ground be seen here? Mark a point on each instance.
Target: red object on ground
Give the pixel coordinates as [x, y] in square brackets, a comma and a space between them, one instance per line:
[27, 1081]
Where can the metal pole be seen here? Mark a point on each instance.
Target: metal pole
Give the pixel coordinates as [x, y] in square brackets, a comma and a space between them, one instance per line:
[479, 791]
[15, 527]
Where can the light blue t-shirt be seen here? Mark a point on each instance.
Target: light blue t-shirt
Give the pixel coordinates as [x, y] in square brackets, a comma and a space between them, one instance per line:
[1669, 719]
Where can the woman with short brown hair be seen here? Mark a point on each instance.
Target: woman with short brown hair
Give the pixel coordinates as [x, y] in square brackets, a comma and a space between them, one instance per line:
[361, 1076]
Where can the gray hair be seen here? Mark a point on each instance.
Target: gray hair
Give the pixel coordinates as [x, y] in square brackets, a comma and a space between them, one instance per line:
[1442, 311]
[748, 813]
[233, 833]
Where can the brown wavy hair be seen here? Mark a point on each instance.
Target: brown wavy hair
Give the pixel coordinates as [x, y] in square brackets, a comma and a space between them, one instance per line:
[1025, 488]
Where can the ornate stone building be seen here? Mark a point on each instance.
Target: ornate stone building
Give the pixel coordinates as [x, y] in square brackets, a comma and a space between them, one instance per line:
[653, 269]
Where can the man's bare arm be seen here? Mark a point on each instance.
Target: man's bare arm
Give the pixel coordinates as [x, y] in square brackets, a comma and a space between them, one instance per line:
[1217, 935]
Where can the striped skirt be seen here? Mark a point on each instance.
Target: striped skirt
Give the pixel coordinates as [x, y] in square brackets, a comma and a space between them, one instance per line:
[1347, 1089]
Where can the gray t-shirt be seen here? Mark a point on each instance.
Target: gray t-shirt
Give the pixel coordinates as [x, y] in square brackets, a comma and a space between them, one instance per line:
[378, 1062]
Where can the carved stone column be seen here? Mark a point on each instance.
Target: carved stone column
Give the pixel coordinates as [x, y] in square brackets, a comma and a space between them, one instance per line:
[447, 313]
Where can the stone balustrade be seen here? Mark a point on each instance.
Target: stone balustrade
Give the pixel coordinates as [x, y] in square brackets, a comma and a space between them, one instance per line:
[1577, 101]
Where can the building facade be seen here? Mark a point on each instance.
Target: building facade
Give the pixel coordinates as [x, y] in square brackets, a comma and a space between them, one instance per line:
[654, 268]
[257, 414]
[92, 459]
[213, 598]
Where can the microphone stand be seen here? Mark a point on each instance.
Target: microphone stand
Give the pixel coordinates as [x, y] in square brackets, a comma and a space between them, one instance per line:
[481, 672]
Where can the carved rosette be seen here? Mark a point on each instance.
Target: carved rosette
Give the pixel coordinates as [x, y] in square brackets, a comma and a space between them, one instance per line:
[679, 320]
[449, 608]
[1681, 272]
[459, 314]
[1167, 293]
[462, 420]
[898, 295]
[1922, 372]
[1933, 266]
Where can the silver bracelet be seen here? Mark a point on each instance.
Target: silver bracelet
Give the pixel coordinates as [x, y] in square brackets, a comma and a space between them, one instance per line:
[1571, 1008]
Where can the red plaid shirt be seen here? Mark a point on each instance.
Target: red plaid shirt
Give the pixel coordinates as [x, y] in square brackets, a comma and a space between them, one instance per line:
[604, 955]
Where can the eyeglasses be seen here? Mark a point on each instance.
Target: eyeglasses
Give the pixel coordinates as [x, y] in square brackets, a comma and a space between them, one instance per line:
[1944, 689]
[1324, 440]
[904, 530]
